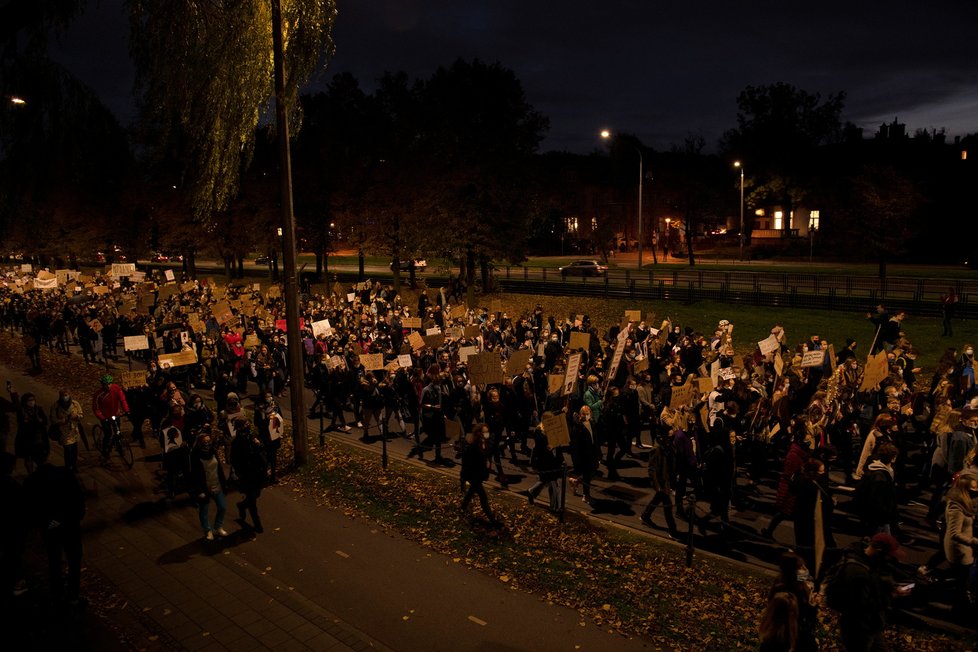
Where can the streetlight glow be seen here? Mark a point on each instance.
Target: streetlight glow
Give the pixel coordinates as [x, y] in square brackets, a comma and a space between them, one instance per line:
[738, 165]
[18, 100]
[605, 134]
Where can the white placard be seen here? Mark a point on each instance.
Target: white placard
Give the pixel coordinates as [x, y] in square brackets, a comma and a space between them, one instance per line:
[321, 327]
[405, 360]
[465, 352]
[769, 345]
[135, 343]
[351, 296]
[123, 269]
[433, 331]
[168, 275]
[813, 359]
[727, 373]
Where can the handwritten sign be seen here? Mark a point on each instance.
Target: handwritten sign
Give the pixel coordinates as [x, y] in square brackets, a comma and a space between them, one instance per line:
[769, 345]
[133, 379]
[518, 361]
[405, 361]
[579, 340]
[633, 315]
[555, 427]
[458, 312]
[222, 312]
[472, 332]
[321, 327]
[411, 322]
[168, 275]
[571, 373]
[877, 369]
[485, 369]
[433, 341]
[813, 359]
[465, 352]
[433, 331]
[178, 359]
[555, 383]
[135, 343]
[682, 396]
[416, 341]
[372, 361]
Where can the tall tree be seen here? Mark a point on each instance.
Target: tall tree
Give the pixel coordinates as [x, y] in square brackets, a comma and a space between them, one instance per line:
[204, 74]
[778, 128]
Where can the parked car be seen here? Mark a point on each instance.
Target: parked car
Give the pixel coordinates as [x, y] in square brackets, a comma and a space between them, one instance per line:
[584, 268]
[262, 260]
[160, 257]
[405, 265]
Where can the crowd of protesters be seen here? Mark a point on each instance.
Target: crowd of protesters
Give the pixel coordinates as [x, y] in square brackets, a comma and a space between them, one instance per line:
[760, 417]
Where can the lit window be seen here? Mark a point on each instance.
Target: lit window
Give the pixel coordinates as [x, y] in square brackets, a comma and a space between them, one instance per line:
[964, 155]
[778, 217]
[813, 220]
[594, 224]
[570, 224]
[759, 212]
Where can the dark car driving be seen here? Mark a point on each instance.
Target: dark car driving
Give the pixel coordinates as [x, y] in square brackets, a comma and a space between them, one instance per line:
[584, 268]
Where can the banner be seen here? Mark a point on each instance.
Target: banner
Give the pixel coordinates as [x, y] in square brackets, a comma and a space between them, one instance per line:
[178, 359]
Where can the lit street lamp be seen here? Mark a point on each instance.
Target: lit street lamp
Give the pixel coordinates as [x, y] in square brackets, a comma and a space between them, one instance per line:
[605, 134]
[17, 100]
[737, 164]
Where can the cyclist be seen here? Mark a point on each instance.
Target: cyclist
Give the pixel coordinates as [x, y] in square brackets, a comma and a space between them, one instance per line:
[107, 402]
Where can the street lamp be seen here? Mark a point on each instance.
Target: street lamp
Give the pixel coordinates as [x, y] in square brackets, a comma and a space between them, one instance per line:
[737, 164]
[665, 245]
[605, 134]
[17, 100]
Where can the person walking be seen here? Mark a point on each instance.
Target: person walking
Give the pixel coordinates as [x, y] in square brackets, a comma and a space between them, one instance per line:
[959, 539]
[475, 470]
[864, 593]
[32, 428]
[548, 468]
[949, 303]
[66, 416]
[248, 459]
[55, 504]
[661, 465]
[209, 483]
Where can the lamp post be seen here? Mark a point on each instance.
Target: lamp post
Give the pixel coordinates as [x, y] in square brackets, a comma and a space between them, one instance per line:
[292, 334]
[605, 134]
[665, 245]
[737, 164]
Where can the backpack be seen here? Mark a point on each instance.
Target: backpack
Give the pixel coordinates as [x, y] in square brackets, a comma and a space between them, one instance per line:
[835, 593]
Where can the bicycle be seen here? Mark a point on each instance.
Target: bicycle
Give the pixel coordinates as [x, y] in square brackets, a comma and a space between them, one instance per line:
[117, 440]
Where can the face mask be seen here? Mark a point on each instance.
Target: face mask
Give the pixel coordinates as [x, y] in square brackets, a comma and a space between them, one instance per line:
[973, 494]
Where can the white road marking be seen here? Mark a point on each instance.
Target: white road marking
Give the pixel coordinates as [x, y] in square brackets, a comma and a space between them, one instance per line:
[477, 621]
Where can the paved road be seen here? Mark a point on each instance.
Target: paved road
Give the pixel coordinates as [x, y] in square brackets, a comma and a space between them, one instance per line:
[316, 579]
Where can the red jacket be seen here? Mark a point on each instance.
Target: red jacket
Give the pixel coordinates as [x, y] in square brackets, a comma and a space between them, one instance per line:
[106, 403]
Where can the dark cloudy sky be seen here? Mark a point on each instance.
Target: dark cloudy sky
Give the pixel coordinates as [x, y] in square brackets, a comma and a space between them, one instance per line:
[657, 69]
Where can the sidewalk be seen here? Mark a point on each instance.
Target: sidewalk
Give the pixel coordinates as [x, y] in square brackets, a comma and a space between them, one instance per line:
[316, 580]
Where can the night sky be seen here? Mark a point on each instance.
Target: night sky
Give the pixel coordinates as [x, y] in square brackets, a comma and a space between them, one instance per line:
[659, 70]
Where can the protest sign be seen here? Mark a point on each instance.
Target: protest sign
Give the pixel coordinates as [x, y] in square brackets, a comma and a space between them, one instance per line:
[877, 369]
[769, 345]
[778, 365]
[100, 290]
[715, 372]
[579, 340]
[189, 286]
[433, 331]
[813, 358]
[337, 362]
[682, 396]
[411, 322]
[704, 385]
[168, 275]
[178, 359]
[416, 341]
[251, 341]
[455, 333]
[133, 379]
[518, 361]
[135, 343]
[274, 292]
[404, 361]
[833, 362]
[433, 341]
[26, 268]
[321, 327]
[640, 365]
[555, 383]
[727, 373]
[372, 361]
[555, 427]
[458, 312]
[350, 297]
[196, 325]
[633, 315]
[472, 332]
[222, 312]
[465, 352]
[485, 368]
[95, 325]
[571, 373]
[167, 291]
[123, 269]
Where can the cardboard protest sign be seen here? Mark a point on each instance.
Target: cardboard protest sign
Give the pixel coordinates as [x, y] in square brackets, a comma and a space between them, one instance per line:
[251, 341]
[813, 358]
[26, 268]
[62, 276]
[455, 333]
[135, 343]
[337, 362]
[453, 429]
[640, 365]
[411, 322]
[274, 292]
[555, 427]
[189, 286]
[100, 289]
[833, 362]
[372, 361]
[168, 275]
[95, 325]
[167, 291]
[704, 385]
[222, 312]
[196, 325]
[682, 396]
[633, 315]
[877, 369]
[715, 372]
[472, 332]
[178, 359]
[555, 383]
[433, 331]
[433, 341]
[727, 373]
[518, 361]
[579, 340]
[768, 345]
[465, 352]
[458, 312]
[571, 373]
[404, 361]
[416, 341]
[350, 297]
[778, 365]
[133, 379]
[321, 327]
[145, 303]
[123, 269]
[485, 368]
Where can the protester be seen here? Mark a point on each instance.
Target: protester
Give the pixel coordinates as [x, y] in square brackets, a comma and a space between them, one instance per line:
[865, 591]
[960, 541]
[209, 484]
[475, 470]
[250, 463]
[66, 416]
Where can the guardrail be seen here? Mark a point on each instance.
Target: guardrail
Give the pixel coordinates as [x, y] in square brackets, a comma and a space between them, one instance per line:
[921, 296]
